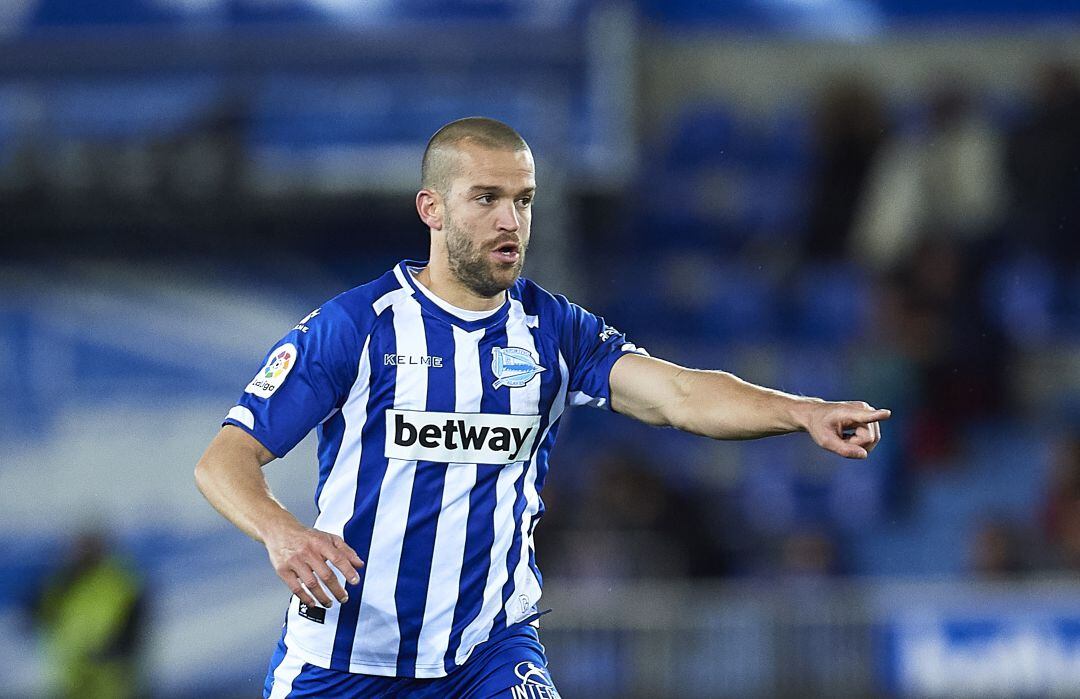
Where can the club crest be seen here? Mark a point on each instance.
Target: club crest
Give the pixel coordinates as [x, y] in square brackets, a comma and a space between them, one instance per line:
[513, 366]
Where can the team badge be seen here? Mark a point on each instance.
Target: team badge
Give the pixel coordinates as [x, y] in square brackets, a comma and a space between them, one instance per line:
[513, 366]
[271, 376]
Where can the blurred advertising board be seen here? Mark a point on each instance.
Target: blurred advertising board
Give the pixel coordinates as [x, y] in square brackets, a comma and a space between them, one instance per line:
[996, 645]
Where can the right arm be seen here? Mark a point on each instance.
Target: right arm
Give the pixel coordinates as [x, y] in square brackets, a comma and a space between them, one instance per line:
[230, 476]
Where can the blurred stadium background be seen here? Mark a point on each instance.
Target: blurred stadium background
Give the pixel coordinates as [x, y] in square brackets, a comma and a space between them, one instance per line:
[873, 199]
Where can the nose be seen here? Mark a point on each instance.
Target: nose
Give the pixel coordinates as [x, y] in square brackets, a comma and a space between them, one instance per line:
[509, 219]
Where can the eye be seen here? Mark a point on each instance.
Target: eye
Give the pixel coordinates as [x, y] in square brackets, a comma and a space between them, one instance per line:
[486, 198]
[525, 201]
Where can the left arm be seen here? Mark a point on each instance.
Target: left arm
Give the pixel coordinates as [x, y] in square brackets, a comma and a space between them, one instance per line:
[722, 406]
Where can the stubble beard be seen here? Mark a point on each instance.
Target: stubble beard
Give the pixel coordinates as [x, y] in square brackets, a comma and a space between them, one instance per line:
[474, 269]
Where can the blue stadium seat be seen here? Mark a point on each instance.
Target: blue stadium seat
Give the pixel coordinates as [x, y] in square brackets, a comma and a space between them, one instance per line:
[1020, 295]
[831, 303]
[148, 107]
[951, 504]
[63, 13]
[743, 305]
[704, 136]
[297, 111]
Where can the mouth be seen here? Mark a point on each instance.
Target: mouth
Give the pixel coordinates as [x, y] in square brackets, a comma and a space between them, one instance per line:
[507, 253]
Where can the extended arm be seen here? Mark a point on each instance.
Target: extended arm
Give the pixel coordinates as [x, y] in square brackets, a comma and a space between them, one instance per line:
[722, 406]
[230, 475]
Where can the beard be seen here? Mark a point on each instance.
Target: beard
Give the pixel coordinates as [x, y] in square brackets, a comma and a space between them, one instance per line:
[473, 266]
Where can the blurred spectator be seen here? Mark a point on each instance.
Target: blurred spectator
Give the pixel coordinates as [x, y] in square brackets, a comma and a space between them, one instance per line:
[849, 126]
[949, 362]
[92, 616]
[998, 550]
[632, 525]
[945, 182]
[808, 555]
[1044, 167]
[960, 360]
[207, 163]
[1061, 512]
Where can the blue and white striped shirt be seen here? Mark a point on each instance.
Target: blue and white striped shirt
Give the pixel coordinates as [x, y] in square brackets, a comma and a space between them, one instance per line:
[434, 431]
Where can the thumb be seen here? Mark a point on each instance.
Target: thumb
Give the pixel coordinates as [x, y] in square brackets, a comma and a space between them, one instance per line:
[844, 449]
[832, 438]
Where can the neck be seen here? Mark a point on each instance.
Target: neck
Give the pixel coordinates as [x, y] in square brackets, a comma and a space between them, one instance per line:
[438, 278]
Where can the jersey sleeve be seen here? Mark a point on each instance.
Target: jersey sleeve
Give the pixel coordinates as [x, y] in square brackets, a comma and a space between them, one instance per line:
[591, 347]
[303, 379]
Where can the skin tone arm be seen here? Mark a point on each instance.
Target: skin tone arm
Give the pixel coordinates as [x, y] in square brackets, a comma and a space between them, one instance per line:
[722, 406]
[230, 475]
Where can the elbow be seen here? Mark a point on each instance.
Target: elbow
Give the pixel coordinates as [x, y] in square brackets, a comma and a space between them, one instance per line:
[200, 472]
[202, 475]
[677, 415]
[685, 422]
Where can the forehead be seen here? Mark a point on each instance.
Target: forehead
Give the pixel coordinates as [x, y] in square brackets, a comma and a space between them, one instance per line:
[477, 165]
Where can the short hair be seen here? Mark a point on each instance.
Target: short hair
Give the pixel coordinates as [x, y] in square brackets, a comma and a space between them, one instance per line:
[436, 169]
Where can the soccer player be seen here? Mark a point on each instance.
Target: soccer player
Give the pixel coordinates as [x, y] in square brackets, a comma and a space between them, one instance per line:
[436, 392]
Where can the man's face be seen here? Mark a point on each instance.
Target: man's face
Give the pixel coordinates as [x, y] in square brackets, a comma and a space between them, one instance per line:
[488, 212]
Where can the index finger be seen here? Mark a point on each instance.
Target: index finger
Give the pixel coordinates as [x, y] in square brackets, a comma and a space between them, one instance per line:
[868, 416]
[326, 574]
[345, 559]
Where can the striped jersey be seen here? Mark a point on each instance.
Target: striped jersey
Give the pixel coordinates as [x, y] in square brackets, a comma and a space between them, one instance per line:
[434, 427]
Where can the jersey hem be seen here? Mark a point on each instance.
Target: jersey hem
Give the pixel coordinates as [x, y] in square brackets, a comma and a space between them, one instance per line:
[389, 669]
[366, 667]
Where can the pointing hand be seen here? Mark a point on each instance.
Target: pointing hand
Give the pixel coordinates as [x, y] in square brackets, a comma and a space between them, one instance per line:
[849, 428]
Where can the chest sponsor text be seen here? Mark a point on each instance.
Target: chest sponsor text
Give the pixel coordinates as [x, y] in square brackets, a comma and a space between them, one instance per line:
[481, 438]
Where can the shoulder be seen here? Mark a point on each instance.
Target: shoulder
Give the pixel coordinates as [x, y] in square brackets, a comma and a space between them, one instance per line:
[359, 306]
[555, 313]
[538, 301]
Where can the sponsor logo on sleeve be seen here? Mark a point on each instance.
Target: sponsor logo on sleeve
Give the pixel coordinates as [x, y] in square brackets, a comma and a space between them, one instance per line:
[513, 366]
[609, 332]
[535, 682]
[470, 438]
[302, 326]
[277, 369]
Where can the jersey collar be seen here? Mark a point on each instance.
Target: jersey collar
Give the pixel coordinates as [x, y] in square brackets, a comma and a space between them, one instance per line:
[406, 279]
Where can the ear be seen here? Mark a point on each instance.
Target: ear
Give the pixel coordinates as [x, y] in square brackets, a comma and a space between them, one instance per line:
[430, 207]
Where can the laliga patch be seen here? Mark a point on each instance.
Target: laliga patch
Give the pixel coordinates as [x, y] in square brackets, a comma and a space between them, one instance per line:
[271, 376]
